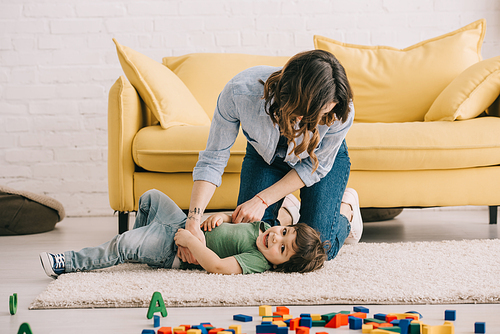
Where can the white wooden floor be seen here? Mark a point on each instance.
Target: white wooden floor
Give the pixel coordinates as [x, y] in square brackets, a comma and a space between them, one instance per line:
[21, 273]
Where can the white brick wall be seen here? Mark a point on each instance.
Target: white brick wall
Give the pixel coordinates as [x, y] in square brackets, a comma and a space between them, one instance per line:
[58, 62]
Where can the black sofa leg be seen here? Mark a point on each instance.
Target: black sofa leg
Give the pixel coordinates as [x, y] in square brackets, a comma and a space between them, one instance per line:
[493, 214]
[122, 222]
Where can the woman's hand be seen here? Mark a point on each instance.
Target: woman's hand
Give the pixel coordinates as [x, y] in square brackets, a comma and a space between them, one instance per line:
[214, 220]
[250, 211]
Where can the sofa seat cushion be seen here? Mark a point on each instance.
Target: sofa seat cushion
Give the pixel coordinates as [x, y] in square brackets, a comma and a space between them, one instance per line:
[425, 145]
[176, 149]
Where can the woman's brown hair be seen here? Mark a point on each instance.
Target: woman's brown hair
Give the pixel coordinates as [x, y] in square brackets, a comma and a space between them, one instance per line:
[310, 251]
[308, 82]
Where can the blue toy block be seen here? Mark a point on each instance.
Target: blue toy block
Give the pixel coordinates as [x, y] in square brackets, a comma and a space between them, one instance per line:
[266, 329]
[306, 322]
[282, 330]
[305, 315]
[450, 315]
[480, 327]
[148, 331]
[242, 317]
[156, 320]
[380, 316]
[395, 322]
[404, 324]
[355, 323]
[360, 309]
[415, 312]
[200, 327]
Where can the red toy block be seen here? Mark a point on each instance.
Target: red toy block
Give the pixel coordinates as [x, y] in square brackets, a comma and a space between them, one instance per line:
[385, 324]
[294, 323]
[361, 315]
[302, 330]
[338, 320]
[283, 309]
[165, 330]
[215, 330]
[187, 327]
[390, 317]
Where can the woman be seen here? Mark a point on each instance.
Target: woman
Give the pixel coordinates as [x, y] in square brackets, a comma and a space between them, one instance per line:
[295, 120]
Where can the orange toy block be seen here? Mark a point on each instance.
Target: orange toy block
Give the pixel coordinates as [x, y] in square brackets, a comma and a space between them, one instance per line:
[294, 323]
[361, 315]
[302, 330]
[385, 324]
[375, 325]
[390, 317]
[215, 330]
[338, 320]
[186, 327]
[165, 330]
[283, 309]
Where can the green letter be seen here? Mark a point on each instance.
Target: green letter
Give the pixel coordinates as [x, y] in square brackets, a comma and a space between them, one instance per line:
[157, 305]
[13, 304]
[24, 329]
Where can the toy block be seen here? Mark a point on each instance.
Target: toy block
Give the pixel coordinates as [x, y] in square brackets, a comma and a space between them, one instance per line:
[321, 332]
[156, 321]
[283, 309]
[225, 332]
[380, 316]
[302, 330]
[282, 330]
[360, 309]
[13, 304]
[278, 314]
[228, 331]
[214, 330]
[186, 327]
[267, 319]
[345, 312]
[380, 331]
[395, 322]
[394, 329]
[206, 324]
[193, 331]
[26, 329]
[156, 305]
[280, 323]
[266, 328]
[367, 320]
[338, 320]
[201, 327]
[404, 324]
[242, 317]
[385, 324]
[179, 329]
[328, 317]
[305, 322]
[316, 317]
[414, 328]
[318, 323]
[165, 330]
[365, 328]
[294, 323]
[265, 310]
[415, 312]
[148, 331]
[355, 323]
[391, 317]
[446, 328]
[360, 315]
[480, 327]
[450, 315]
[287, 317]
[305, 315]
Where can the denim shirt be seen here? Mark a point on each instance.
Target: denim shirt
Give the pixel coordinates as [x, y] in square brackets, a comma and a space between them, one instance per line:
[241, 103]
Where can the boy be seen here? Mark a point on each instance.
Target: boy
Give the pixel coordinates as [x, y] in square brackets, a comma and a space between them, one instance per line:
[230, 248]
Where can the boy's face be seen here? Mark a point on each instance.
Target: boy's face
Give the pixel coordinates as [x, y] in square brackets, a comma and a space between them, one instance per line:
[276, 244]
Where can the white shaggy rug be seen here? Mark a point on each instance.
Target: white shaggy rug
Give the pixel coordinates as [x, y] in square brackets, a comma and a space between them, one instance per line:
[444, 272]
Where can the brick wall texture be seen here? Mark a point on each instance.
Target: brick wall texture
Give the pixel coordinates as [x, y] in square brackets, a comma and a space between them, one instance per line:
[57, 63]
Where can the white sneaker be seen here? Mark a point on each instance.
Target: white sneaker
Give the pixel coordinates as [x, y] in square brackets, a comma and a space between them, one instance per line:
[292, 205]
[351, 197]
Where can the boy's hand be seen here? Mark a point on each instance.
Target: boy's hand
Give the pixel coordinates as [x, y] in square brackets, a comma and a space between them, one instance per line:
[213, 221]
[185, 255]
[182, 237]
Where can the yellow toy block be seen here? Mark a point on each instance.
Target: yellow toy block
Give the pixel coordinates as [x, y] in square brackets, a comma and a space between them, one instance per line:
[405, 315]
[265, 310]
[446, 328]
[316, 317]
[194, 331]
[279, 323]
[271, 319]
[288, 317]
[366, 328]
[237, 328]
[380, 331]
[225, 332]
[179, 329]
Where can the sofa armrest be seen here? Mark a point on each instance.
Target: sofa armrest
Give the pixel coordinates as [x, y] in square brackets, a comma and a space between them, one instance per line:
[126, 115]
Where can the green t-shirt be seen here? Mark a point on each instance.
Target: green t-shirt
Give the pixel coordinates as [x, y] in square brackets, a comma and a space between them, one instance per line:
[237, 240]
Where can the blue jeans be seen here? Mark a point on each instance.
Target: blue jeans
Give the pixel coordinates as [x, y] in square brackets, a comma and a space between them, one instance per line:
[320, 203]
[151, 241]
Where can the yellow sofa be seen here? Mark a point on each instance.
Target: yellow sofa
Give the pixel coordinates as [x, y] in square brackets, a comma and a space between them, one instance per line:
[426, 131]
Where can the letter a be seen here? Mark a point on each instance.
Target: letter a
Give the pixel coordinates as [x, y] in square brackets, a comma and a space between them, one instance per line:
[157, 305]
[24, 329]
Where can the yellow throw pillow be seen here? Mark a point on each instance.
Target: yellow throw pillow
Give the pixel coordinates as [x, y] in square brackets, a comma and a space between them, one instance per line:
[163, 92]
[400, 85]
[206, 74]
[474, 90]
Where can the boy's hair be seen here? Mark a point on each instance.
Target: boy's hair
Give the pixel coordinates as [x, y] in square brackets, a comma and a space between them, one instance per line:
[310, 251]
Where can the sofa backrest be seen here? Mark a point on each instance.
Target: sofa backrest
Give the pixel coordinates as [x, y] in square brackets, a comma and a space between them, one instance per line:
[206, 74]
